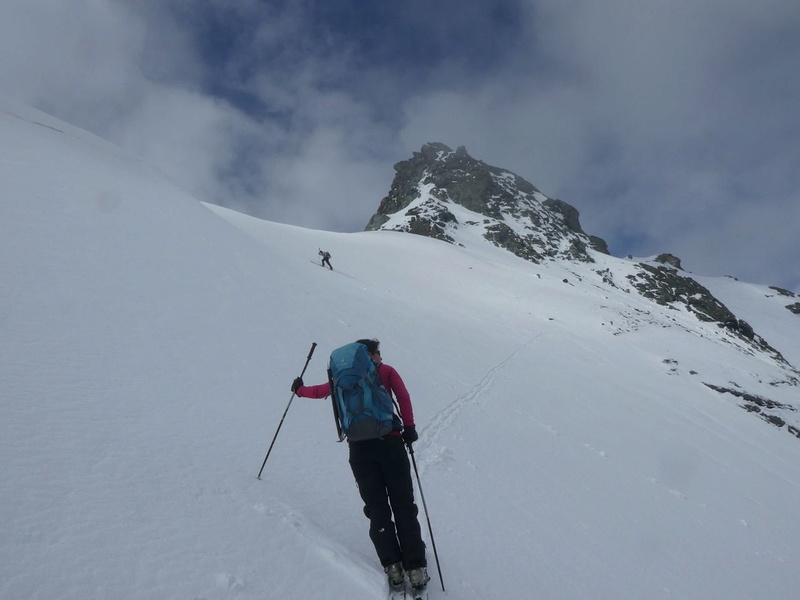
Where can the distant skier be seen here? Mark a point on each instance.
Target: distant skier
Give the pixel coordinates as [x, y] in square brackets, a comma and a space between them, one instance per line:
[326, 259]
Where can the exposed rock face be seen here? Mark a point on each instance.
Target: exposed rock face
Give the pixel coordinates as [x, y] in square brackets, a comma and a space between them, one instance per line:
[665, 286]
[764, 407]
[669, 259]
[783, 292]
[439, 192]
[794, 307]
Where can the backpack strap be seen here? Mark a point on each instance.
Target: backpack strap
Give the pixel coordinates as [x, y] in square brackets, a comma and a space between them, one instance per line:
[336, 415]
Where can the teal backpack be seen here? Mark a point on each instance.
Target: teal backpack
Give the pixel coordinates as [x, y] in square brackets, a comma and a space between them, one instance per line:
[362, 406]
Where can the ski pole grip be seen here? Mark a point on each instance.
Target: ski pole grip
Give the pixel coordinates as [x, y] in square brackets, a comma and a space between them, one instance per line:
[308, 358]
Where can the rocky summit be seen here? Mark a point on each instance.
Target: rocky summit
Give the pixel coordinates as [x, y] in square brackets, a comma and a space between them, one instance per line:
[451, 196]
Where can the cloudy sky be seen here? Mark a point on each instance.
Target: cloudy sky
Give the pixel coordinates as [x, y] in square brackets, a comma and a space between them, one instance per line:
[671, 125]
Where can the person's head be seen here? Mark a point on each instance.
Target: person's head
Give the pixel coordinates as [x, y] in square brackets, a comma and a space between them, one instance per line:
[373, 347]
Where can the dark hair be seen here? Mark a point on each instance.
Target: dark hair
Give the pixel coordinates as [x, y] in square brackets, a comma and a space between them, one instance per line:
[372, 345]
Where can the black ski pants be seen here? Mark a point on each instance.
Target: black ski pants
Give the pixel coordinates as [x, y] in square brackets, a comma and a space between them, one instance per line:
[383, 475]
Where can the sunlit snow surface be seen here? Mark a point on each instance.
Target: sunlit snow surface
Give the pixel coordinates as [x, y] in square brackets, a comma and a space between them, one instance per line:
[569, 448]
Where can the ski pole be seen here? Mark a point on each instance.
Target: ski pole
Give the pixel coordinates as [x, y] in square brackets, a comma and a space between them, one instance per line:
[308, 359]
[427, 518]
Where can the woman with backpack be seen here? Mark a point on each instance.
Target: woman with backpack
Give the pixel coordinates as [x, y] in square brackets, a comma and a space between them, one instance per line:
[382, 472]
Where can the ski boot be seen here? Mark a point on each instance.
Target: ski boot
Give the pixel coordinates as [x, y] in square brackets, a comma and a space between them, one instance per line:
[419, 583]
[394, 573]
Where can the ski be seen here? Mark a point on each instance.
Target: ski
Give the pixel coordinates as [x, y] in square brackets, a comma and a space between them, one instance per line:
[397, 592]
[420, 593]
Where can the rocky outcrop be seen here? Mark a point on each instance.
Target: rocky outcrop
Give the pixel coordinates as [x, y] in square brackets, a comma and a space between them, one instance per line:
[665, 286]
[795, 306]
[437, 183]
[764, 407]
[669, 259]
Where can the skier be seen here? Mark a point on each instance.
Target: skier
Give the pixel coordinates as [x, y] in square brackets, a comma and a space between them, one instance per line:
[326, 259]
[383, 476]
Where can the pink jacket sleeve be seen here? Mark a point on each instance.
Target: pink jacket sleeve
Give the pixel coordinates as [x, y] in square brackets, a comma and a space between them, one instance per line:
[314, 391]
[392, 381]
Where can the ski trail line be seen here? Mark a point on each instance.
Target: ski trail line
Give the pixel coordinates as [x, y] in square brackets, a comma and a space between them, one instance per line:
[445, 417]
[317, 540]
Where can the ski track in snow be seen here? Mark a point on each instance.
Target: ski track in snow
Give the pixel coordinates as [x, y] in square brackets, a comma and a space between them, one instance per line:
[334, 271]
[318, 541]
[443, 420]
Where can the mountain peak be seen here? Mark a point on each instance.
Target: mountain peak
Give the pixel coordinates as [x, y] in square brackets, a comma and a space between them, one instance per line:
[449, 195]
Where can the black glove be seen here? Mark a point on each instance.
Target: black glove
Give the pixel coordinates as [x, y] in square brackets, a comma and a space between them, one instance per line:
[410, 435]
[298, 382]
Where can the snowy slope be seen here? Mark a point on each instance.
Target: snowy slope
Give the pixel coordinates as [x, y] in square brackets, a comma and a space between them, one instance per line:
[568, 447]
